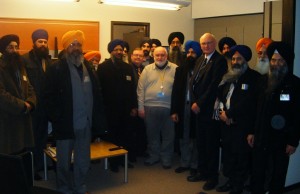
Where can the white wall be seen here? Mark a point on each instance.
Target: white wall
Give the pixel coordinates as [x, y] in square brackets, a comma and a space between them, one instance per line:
[162, 22]
[209, 8]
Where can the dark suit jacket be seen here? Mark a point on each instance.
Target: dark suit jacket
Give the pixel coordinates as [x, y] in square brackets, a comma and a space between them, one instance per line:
[59, 103]
[178, 100]
[242, 110]
[205, 88]
[15, 126]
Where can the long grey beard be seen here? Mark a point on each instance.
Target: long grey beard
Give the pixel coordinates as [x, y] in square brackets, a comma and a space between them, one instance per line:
[233, 74]
[275, 76]
[262, 66]
[175, 56]
[76, 60]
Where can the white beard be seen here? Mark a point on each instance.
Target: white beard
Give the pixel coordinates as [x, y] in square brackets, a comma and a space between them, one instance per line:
[160, 64]
[262, 66]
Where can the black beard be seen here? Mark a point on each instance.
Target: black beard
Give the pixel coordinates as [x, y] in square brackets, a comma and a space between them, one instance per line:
[41, 52]
[275, 76]
[13, 61]
[146, 53]
[190, 61]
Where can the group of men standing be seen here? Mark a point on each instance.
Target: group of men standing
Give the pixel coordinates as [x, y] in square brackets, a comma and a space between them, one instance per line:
[195, 96]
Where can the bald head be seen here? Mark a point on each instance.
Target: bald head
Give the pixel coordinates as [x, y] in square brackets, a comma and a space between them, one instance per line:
[208, 43]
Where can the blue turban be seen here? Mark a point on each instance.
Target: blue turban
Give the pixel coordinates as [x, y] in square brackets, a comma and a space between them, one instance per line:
[244, 50]
[111, 46]
[194, 45]
[39, 34]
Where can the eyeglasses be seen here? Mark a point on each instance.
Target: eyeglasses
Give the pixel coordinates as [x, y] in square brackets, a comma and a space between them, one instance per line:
[206, 43]
[137, 55]
[73, 45]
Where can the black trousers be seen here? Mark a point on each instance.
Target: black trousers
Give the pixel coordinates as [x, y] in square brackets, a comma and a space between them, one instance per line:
[208, 144]
[262, 158]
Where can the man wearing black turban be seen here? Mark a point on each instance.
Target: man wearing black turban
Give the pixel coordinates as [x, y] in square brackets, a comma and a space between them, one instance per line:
[175, 41]
[17, 99]
[120, 98]
[276, 132]
[225, 44]
[235, 108]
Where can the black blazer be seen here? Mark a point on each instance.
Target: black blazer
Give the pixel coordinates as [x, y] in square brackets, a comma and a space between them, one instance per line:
[59, 103]
[204, 90]
[242, 110]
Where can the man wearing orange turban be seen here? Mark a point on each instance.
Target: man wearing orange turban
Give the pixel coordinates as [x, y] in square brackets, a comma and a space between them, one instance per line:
[93, 57]
[74, 106]
[262, 65]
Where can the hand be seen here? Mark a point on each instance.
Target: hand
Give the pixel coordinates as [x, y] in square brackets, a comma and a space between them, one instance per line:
[290, 150]
[224, 118]
[174, 118]
[250, 140]
[141, 113]
[28, 106]
[195, 108]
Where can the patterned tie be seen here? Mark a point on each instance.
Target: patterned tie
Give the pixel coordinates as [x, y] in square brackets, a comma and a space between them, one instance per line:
[203, 64]
[44, 65]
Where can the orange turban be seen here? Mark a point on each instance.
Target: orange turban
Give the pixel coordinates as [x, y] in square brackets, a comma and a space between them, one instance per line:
[90, 55]
[71, 36]
[263, 41]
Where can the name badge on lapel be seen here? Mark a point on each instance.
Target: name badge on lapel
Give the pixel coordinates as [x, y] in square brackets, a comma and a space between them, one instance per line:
[86, 79]
[245, 86]
[284, 97]
[128, 77]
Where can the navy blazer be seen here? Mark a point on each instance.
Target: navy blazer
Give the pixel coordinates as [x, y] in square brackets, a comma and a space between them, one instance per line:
[205, 88]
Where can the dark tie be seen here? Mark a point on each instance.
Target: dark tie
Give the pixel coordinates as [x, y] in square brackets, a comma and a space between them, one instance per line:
[203, 64]
[80, 71]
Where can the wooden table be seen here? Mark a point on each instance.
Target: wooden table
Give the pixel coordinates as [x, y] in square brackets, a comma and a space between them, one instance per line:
[99, 150]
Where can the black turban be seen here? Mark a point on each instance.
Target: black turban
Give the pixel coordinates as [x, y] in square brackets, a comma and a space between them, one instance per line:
[146, 41]
[126, 45]
[244, 50]
[173, 35]
[111, 46]
[156, 42]
[226, 40]
[283, 49]
[7, 39]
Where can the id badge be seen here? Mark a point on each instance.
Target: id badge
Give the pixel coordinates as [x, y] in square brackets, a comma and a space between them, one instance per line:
[284, 97]
[245, 86]
[160, 94]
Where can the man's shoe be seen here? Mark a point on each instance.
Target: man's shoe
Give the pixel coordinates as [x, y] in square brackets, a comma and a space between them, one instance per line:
[196, 178]
[224, 188]
[210, 185]
[148, 163]
[181, 169]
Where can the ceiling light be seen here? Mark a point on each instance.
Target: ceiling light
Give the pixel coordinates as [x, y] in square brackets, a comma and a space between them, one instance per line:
[163, 4]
